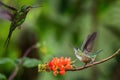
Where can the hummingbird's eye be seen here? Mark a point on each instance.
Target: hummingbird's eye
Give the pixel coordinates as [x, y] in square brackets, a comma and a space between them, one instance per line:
[28, 8]
[77, 48]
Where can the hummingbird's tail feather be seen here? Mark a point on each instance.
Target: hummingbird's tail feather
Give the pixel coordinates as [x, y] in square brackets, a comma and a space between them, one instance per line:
[96, 53]
[8, 39]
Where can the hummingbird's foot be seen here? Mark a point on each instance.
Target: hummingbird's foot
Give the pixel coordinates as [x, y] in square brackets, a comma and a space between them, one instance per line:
[85, 64]
[91, 62]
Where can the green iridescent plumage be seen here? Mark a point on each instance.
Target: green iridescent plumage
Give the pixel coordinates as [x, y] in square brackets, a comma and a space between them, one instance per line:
[19, 18]
[16, 19]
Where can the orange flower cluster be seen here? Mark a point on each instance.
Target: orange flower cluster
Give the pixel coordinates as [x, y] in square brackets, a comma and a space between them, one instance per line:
[59, 65]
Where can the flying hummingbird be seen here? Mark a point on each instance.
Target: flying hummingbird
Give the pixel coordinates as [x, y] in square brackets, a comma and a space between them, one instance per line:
[84, 54]
[17, 18]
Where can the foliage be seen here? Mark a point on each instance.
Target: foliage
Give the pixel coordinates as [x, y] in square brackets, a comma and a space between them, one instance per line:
[59, 26]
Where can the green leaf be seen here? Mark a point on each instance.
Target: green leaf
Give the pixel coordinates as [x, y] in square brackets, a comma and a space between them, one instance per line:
[30, 62]
[6, 60]
[59, 77]
[2, 77]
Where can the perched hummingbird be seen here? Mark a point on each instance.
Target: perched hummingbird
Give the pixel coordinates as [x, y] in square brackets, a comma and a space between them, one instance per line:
[17, 18]
[83, 54]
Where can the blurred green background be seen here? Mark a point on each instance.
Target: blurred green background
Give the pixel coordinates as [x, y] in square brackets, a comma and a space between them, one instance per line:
[59, 26]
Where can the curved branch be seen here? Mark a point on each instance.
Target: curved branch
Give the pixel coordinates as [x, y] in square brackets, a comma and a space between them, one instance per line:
[95, 63]
[19, 65]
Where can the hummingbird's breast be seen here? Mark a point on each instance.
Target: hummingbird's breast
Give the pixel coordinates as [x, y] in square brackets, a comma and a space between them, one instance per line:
[86, 59]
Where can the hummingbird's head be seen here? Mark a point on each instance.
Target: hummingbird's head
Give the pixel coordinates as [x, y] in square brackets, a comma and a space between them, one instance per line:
[25, 8]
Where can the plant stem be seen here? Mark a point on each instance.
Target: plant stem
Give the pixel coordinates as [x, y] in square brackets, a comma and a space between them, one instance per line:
[95, 63]
[19, 65]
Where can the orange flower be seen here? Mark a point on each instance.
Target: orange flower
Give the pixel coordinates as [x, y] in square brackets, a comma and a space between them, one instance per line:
[62, 72]
[59, 65]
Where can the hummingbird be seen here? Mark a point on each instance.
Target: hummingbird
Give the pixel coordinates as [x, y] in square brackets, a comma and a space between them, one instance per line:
[17, 17]
[84, 54]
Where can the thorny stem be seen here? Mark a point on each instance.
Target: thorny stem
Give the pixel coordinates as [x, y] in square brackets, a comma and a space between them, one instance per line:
[19, 65]
[95, 63]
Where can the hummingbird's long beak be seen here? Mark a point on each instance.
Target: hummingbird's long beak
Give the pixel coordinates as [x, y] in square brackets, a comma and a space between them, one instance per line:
[35, 6]
[30, 7]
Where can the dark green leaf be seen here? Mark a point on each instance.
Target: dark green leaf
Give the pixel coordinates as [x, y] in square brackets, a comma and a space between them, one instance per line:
[30, 63]
[2, 77]
[6, 60]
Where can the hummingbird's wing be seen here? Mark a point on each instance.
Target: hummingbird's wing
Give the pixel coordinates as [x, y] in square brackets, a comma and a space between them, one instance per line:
[88, 43]
[5, 15]
[9, 7]
[84, 43]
